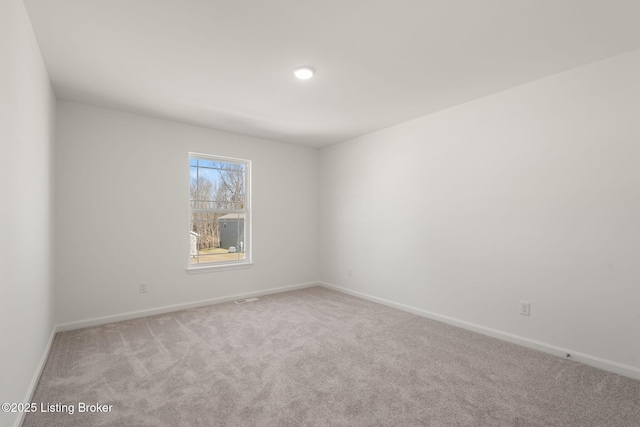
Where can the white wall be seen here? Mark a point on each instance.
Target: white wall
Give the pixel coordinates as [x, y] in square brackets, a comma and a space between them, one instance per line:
[530, 194]
[122, 213]
[26, 140]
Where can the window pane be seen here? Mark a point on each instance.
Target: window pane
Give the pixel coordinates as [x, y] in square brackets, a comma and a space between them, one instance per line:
[216, 237]
[217, 185]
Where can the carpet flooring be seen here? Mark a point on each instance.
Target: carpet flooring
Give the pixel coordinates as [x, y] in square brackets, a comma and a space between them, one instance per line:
[316, 357]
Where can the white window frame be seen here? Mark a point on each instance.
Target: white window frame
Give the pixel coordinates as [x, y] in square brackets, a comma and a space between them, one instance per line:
[229, 264]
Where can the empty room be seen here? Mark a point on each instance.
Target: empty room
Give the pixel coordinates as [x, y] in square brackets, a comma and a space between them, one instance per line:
[320, 213]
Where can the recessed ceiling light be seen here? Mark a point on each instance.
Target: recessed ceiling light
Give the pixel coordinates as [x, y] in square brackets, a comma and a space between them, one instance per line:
[303, 73]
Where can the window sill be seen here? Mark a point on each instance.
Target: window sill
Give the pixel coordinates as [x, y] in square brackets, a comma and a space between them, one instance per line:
[218, 267]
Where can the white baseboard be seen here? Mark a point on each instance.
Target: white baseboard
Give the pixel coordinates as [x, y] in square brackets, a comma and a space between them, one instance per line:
[36, 376]
[175, 307]
[597, 362]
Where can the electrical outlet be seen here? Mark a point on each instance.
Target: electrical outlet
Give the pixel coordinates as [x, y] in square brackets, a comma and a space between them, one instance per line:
[143, 288]
[525, 308]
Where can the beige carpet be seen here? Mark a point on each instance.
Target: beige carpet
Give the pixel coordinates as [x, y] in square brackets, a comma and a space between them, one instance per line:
[315, 357]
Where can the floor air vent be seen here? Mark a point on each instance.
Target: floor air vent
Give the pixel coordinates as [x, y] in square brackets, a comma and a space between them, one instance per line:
[246, 300]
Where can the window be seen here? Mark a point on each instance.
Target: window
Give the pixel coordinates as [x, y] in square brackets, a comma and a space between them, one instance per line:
[219, 212]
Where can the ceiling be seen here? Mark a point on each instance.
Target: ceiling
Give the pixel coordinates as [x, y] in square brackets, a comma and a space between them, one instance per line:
[227, 64]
